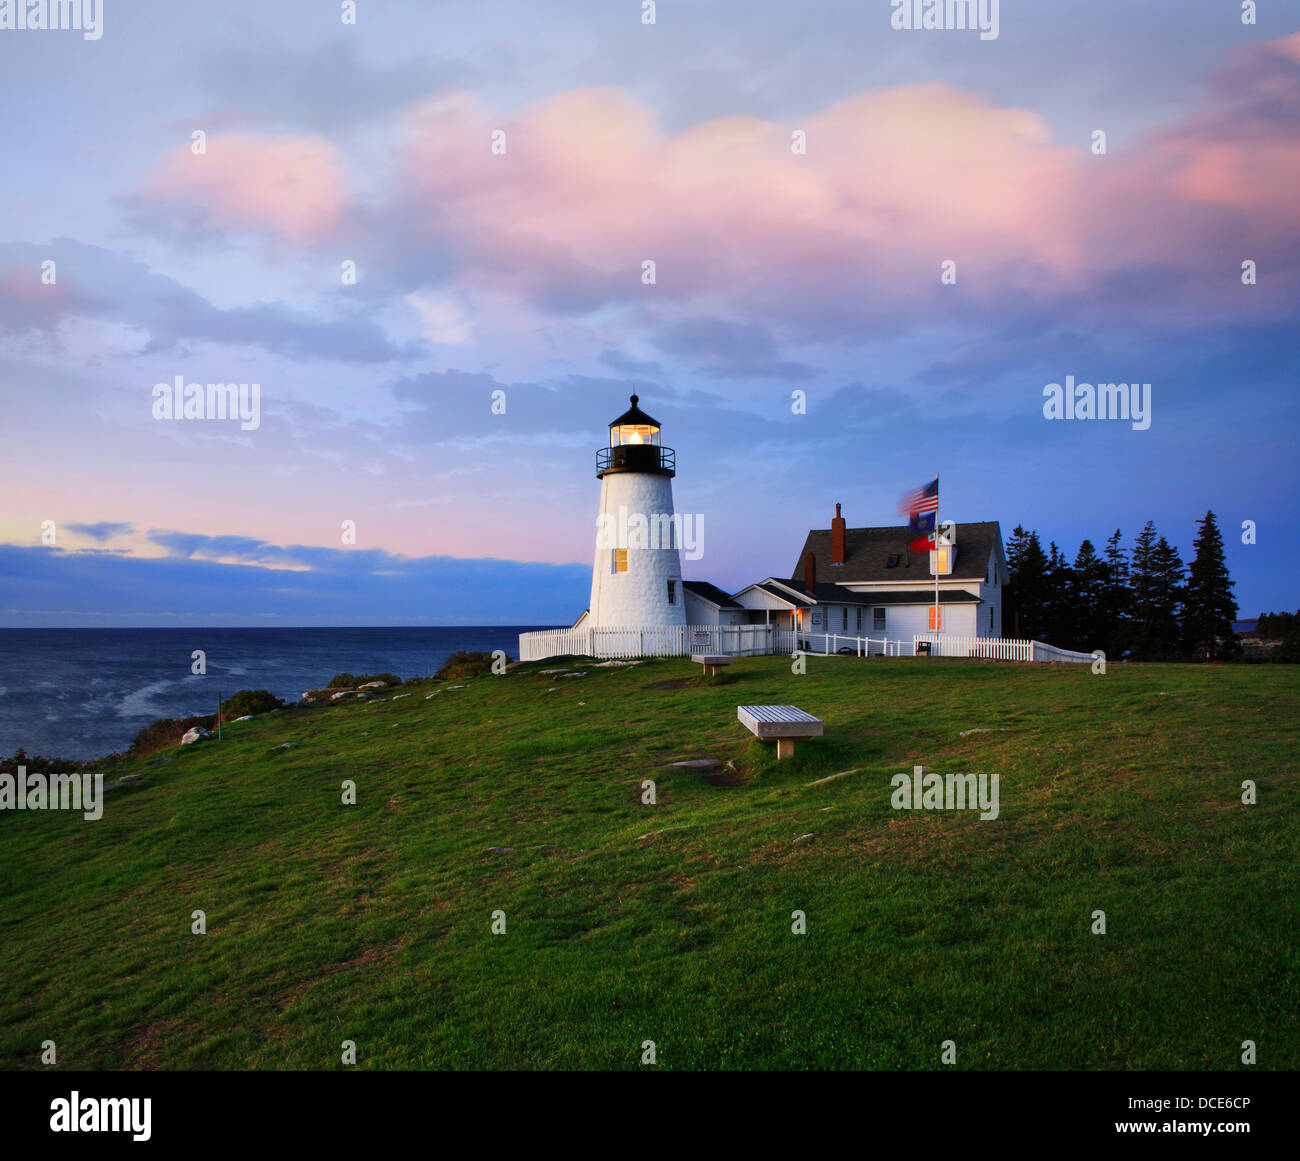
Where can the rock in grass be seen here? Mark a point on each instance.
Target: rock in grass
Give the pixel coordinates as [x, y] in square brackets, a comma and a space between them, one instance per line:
[245, 718]
[195, 734]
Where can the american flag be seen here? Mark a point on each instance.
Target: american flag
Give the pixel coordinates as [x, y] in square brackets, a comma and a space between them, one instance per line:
[921, 508]
[921, 502]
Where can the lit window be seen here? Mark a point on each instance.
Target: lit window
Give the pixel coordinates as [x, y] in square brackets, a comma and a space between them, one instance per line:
[936, 619]
[620, 560]
[633, 433]
[941, 561]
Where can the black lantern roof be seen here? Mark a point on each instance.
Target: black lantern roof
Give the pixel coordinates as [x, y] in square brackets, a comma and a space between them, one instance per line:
[634, 416]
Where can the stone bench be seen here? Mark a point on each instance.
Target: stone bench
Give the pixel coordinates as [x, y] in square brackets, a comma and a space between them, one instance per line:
[711, 661]
[782, 723]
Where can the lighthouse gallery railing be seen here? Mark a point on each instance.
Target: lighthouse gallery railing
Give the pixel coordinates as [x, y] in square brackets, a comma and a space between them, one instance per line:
[636, 457]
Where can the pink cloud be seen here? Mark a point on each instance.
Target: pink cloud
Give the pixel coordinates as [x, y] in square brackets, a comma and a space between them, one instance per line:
[892, 183]
[293, 186]
[849, 234]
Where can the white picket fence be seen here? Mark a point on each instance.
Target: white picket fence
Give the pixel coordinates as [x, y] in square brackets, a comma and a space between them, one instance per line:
[660, 641]
[992, 648]
[757, 640]
[997, 649]
[832, 644]
[1045, 652]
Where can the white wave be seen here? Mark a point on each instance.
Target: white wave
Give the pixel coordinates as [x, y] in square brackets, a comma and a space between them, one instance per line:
[140, 703]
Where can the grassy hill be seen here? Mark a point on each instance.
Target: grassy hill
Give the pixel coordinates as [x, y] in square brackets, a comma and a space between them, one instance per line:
[522, 793]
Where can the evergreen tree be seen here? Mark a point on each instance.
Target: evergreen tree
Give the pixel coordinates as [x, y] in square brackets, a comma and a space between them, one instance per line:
[1027, 566]
[1285, 629]
[1115, 600]
[1087, 586]
[1209, 607]
[1057, 615]
[1157, 580]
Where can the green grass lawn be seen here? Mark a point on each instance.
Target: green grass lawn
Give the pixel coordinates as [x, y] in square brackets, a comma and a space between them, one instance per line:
[372, 922]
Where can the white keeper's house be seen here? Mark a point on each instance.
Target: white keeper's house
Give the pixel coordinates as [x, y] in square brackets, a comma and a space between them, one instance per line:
[866, 582]
[851, 589]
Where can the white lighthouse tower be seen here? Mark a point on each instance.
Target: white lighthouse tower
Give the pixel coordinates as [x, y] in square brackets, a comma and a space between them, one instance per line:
[637, 578]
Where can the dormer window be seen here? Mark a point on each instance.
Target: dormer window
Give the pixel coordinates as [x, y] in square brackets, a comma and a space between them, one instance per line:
[892, 562]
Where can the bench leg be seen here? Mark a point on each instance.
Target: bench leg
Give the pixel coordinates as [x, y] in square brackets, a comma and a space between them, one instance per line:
[784, 748]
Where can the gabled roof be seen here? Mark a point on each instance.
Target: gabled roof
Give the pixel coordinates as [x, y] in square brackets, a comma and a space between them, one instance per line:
[775, 590]
[711, 593]
[867, 552]
[825, 593]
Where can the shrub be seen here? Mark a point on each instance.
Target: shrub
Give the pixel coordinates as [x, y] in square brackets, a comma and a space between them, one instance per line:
[168, 732]
[249, 701]
[36, 764]
[354, 680]
[463, 664]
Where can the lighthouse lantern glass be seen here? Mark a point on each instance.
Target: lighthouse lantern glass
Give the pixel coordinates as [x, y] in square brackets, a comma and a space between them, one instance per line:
[632, 433]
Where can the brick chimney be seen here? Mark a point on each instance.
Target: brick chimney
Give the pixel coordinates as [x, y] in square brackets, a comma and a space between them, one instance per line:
[810, 572]
[837, 537]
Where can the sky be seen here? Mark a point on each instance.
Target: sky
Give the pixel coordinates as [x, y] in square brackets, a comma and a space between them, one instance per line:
[423, 236]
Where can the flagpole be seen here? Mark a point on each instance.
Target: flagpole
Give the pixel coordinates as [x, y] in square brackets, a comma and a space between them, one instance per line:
[938, 624]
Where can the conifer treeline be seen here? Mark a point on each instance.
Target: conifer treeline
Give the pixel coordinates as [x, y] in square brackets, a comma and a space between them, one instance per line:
[1145, 604]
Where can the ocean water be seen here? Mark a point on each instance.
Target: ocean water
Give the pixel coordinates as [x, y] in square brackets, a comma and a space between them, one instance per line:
[80, 693]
